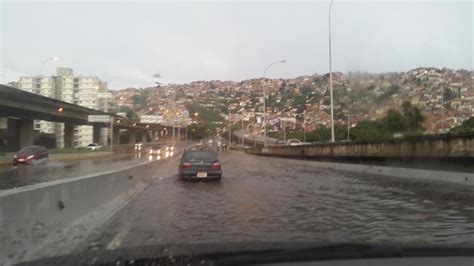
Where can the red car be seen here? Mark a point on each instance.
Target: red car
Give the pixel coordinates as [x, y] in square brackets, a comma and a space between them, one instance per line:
[30, 154]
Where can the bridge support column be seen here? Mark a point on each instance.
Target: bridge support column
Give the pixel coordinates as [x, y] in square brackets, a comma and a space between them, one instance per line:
[96, 138]
[132, 136]
[26, 132]
[143, 136]
[68, 135]
[116, 136]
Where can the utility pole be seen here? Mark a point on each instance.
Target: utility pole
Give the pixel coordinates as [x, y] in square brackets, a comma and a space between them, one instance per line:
[243, 131]
[230, 128]
[111, 133]
[179, 132]
[304, 126]
[173, 134]
[330, 77]
[265, 104]
[348, 127]
[442, 109]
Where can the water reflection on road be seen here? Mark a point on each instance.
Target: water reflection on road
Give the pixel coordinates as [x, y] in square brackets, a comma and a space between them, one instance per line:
[269, 199]
[21, 175]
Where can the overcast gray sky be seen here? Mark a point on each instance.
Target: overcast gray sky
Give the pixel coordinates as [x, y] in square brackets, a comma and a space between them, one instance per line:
[126, 43]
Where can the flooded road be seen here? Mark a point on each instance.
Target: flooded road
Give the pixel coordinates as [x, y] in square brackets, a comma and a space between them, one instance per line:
[22, 175]
[271, 199]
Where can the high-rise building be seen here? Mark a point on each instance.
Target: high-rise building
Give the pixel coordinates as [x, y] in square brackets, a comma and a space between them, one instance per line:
[87, 91]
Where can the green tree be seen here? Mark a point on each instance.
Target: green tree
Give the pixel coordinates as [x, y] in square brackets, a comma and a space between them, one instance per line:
[205, 114]
[394, 122]
[201, 131]
[130, 113]
[412, 116]
[466, 127]
[369, 131]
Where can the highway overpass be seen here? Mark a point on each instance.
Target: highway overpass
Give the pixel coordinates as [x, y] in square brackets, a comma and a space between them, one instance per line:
[19, 108]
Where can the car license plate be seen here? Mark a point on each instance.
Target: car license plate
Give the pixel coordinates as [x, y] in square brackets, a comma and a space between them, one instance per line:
[202, 174]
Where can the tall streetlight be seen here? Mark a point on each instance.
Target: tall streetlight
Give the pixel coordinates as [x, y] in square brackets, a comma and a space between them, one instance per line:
[264, 102]
[304, 126]
[54, 59]
[230, 126]
[348, 127]
[330, 75]
[243, 130]
[442, 109]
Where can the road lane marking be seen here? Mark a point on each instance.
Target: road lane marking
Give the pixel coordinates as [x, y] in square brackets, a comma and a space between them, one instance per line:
[115, 243]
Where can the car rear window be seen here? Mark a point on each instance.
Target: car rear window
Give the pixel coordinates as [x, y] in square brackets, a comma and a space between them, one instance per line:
[200, 156]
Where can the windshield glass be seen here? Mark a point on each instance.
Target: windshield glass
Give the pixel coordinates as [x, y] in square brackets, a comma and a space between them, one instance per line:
[160, 128]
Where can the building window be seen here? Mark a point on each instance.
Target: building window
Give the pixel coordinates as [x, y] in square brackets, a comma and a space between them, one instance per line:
[76, 86]
[37, 91]
[38, 85]
[76, 80]
[38, 79]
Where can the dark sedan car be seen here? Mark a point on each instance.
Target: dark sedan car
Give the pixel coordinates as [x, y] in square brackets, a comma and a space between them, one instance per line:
[30, 154]
[200, 164]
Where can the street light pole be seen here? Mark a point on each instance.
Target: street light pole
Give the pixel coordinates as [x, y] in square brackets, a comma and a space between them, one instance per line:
[442, 109]
[111, 133]
[348, 127]
[243, 131]
[304, 127]
[173, 134]
[330, 76]
[179, 132]
[230, 126]
[264, 102]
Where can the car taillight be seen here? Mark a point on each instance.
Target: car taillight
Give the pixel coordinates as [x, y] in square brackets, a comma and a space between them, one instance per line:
[216, 166]
[187, 166]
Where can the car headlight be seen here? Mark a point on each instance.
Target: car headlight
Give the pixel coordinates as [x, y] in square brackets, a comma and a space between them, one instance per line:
[151, 152]
[14, 156]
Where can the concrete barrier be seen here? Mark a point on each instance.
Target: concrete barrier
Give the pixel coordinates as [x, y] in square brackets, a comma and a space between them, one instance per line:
[31, 217]
[443, 146]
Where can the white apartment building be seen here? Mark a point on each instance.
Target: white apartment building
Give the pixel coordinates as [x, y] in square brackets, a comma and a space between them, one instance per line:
[87, 91]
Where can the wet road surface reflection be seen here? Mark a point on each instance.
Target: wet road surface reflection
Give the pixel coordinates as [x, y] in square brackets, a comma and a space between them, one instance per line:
[270, 199]
[22, 175]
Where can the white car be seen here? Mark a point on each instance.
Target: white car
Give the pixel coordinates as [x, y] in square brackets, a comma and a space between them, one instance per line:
[94, 147]
[296, 142]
